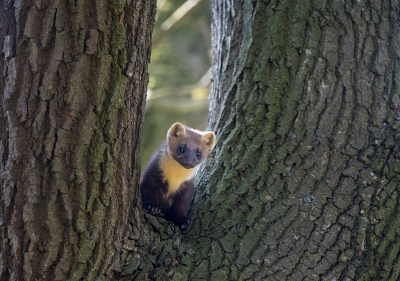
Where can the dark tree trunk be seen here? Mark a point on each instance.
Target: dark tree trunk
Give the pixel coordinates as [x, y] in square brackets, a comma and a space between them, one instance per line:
[72, 91]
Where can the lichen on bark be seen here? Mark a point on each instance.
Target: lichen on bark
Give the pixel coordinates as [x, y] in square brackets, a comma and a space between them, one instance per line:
[302, 107]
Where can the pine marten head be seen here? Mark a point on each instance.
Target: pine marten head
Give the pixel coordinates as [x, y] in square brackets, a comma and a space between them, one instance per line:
[187, 146]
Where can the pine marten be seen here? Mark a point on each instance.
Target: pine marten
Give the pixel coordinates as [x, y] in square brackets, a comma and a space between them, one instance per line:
[167, 183]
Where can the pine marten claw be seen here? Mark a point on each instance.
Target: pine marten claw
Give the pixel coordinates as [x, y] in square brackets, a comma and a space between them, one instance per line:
[152, 208]
[182, 223]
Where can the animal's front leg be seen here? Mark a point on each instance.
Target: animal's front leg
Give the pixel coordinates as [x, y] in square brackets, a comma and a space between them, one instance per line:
[178, 213]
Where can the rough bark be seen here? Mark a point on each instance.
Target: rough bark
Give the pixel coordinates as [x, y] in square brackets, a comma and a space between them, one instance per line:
[304, 181]
[72, 91]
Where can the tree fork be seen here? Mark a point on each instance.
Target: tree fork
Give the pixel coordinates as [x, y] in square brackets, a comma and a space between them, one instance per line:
[303, 182]
[72, 100]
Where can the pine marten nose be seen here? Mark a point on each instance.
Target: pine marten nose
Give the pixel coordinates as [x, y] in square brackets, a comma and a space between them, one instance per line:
[190, 164]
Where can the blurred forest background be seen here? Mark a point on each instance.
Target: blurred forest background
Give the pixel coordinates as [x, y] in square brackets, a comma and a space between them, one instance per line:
[180, 70]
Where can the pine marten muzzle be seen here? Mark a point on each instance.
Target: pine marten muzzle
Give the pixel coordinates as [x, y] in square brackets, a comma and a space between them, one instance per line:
[167, 183]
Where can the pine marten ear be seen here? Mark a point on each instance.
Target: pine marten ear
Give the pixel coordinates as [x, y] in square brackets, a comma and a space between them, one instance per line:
[208, 139]
[177, 130]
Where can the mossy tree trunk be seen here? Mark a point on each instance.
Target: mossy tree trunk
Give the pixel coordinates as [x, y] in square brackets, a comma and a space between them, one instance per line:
[72, 91]
[303, 183]
[304, 180]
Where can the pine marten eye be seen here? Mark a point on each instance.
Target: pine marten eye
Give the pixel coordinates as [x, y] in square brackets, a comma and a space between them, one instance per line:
[181, 150]
[198, 154]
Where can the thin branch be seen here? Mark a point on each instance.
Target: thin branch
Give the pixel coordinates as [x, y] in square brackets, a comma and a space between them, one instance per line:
[160, 5]
[178, 18]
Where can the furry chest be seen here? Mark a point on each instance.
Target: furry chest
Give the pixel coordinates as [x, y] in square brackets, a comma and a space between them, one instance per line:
[174, 174]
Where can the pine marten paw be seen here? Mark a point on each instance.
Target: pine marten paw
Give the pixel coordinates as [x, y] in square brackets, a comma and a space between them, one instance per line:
[183, 223]
[151, 207]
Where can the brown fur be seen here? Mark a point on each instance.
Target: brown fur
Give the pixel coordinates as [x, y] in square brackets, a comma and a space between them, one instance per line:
[167, 183]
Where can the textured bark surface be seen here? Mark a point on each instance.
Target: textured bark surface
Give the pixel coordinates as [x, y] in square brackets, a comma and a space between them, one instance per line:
[304, 181]
[72, 91]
